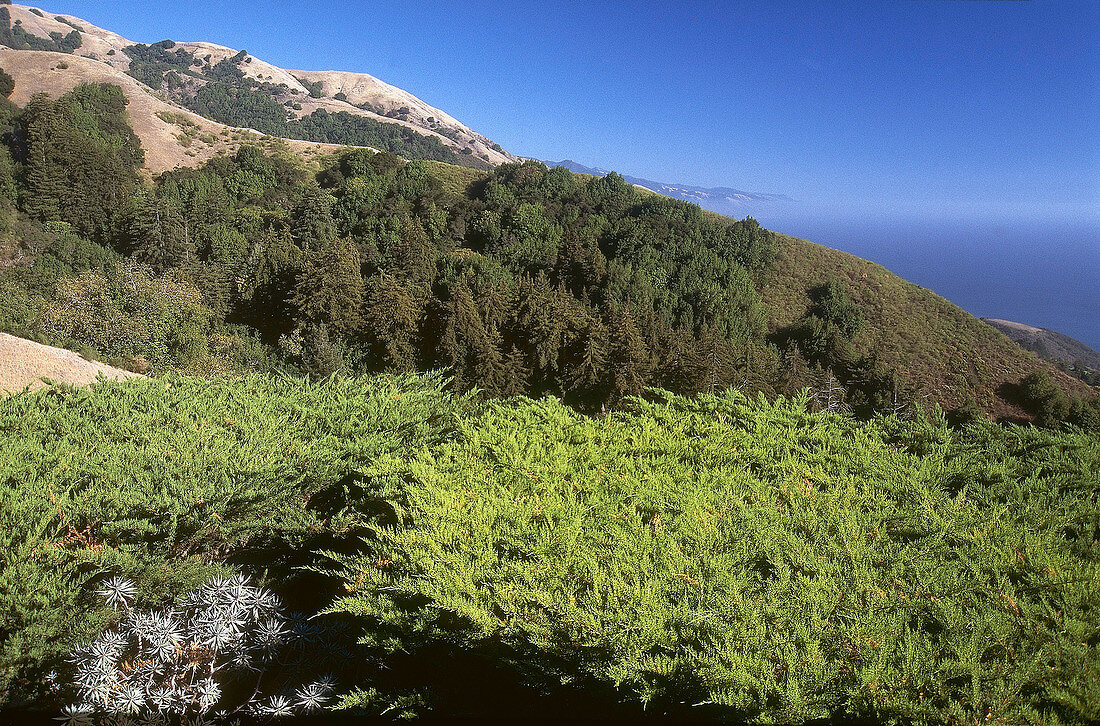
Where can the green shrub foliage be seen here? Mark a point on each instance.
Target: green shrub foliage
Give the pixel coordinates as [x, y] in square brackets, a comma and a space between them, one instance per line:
[754, 558]
[716, 557]
[168, 484]
[129, 312]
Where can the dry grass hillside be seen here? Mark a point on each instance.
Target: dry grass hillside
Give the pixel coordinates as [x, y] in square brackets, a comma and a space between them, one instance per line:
[24, 363]
[98, 43]
[388, 103]
[361, 89]
[934, 344]
[171, 135]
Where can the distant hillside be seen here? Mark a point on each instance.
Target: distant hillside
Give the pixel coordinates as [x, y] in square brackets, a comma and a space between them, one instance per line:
[718, 199]
[947, 354]
[233, 88]
[171, 135]
[1049, 344]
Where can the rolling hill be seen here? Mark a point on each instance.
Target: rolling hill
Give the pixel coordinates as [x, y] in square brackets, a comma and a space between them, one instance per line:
[106, 57]
[171, 135]
[943, 351]
[1049, 344]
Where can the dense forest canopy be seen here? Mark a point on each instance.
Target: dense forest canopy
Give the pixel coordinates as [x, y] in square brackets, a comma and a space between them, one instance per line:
[522, 280]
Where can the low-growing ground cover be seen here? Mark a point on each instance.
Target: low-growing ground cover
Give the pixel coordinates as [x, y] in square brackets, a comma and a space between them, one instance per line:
[168, 484]
[712, 557]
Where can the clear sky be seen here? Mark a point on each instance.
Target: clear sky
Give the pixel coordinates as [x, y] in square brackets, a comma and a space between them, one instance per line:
[931, 108]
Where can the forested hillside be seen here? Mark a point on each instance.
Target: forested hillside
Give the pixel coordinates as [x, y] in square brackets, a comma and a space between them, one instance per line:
[522, 280]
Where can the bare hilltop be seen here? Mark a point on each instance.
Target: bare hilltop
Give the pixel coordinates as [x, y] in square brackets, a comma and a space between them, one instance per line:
[173, 135]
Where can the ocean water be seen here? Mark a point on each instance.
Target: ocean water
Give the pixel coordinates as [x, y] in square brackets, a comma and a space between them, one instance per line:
[1043, 274]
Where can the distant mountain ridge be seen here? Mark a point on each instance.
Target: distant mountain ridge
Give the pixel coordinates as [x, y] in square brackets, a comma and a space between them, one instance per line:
[1048, 344]
[718, 199]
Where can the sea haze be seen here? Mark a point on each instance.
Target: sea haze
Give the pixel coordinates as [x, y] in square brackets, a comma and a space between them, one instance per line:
[1046, 274]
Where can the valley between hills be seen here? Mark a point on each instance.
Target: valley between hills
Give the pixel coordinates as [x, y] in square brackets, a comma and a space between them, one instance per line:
[393, 421]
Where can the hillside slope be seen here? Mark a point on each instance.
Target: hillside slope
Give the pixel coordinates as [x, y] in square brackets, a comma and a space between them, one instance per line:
[106, 60]
[1048, 344]
[97, 43]
[24, 363]
[636, 290]
[937, 346]
[171, 135]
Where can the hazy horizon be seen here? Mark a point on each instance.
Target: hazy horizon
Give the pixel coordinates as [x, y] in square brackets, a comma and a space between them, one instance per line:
[1041, 273]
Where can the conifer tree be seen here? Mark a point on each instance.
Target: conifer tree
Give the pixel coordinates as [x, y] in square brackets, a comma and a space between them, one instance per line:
[489, 369]
[7, 84]
[411, 258]
[629, 362]
[329, 287]
[516, 374]
[586, 371]
[314, 227]
[391, 318]
[463, 337]
[682, 365]
[44, 183]
[267, 282]
[321, 355]
[796, 371]
[161, 236]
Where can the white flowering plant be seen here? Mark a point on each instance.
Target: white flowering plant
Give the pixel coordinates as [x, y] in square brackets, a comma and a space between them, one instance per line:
[229, 647]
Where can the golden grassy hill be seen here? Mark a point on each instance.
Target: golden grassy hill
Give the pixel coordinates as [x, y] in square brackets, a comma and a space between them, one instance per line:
[936, 345]
[389, 104]
[171, 135]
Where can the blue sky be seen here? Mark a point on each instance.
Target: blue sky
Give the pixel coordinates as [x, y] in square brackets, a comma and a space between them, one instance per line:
[922, 108]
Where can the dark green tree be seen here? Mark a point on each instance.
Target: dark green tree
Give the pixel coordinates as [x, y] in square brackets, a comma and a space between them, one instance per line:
[629, 361]
[329, 288]
[1044, 399]
[7, 84]
[391, 317]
